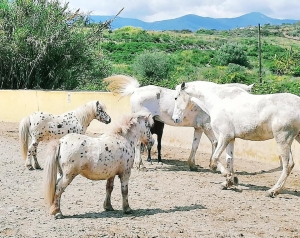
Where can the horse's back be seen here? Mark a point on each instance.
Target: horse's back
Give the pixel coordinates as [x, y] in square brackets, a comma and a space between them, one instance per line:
[95, 158]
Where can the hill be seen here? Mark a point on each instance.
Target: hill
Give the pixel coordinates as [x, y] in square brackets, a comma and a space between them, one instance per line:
[195, 22]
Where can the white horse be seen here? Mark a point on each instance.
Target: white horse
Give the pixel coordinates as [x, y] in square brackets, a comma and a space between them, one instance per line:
[159, 102]
[99, 158]
[237, 114]
[41, 126]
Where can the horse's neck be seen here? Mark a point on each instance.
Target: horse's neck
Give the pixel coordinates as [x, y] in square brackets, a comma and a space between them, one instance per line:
[132, 137]
[84, 116]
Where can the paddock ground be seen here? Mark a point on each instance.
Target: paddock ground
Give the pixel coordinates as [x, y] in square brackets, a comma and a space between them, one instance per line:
[168, 200]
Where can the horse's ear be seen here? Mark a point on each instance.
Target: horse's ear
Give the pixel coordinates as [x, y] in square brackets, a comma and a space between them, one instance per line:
[183, 86]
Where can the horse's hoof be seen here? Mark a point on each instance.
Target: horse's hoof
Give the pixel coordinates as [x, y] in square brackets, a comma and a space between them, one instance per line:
[38, 168]
[149, 160]
[108, 208]
[193, 168]
[128, 211]
[235, 180]
[29, 167]
[213, 167]
[271, 194]
[58, 215]
[224, 185]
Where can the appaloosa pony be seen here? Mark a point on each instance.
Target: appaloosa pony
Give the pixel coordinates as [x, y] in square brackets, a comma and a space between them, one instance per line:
[159, 102]
[237, 114]
[41, 126]
[99, 158]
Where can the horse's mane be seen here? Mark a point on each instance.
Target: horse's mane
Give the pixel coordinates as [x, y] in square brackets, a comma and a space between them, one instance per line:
[128, 120]
[121, 84]
[83, 113]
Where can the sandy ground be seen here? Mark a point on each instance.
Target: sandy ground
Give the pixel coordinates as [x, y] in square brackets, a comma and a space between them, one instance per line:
[168, 200]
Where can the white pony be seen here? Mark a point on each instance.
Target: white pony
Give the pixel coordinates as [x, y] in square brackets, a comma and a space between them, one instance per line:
[159, 102]
[41, 126]
[237, 114]
[99, 158]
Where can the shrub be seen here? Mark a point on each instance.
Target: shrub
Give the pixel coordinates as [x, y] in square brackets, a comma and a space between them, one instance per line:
[154, 66]
[45, 45]
[231, 53]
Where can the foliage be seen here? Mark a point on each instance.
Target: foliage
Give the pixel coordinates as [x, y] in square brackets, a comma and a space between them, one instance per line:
[153, 66]
[231, 53]
[45, 45]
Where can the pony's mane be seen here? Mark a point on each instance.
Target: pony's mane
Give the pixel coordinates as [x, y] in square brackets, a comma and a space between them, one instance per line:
[128, 120]
[83, 113]
[121, 84]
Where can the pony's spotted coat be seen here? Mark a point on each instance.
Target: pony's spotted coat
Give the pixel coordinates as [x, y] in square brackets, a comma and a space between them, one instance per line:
[41, 126]
[99, 158]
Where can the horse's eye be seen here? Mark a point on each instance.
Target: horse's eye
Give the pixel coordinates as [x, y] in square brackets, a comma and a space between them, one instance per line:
[175, 99]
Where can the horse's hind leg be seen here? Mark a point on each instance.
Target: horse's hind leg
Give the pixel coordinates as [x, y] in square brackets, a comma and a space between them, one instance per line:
[32, 152]
[124, 178]
[196, 140]
[61, 185]
[211, 136]
[109, 188]
[287, 164]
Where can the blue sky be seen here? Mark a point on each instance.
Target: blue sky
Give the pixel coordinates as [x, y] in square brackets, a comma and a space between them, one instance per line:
[156, 10]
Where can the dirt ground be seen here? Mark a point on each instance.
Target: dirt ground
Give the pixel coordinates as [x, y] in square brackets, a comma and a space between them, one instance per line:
[168, 200]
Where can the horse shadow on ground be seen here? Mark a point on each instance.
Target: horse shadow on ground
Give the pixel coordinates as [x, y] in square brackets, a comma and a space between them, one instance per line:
[175, 165]
[135, 213]
[178, 165]
[254, 187]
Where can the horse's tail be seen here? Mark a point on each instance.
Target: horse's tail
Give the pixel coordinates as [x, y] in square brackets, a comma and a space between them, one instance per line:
[122, 84]
[23, 135]
[50, 173]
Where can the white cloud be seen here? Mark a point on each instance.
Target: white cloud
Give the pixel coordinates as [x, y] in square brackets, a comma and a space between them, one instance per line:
[155, 10]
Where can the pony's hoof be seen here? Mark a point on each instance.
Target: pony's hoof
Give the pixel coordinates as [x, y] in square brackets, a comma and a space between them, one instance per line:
[271, 194]
[109, 209]
[58, 215]
[224, 185]
[29, 167]
[213, 167]
[235, 180]
[193, 168]
[38, 168]
[128, 211]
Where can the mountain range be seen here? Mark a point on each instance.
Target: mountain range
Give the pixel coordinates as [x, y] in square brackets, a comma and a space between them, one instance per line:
[194, 22]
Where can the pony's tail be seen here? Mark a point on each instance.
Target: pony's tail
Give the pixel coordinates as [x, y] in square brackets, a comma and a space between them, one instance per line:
[23, 135]
[50, 173]
[122, 84]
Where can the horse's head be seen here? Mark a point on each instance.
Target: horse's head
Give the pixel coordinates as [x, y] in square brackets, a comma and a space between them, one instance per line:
[144, 123]
[182, 103]
[100, 113]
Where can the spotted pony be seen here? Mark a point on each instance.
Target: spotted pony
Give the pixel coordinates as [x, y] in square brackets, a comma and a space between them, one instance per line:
[99, 158]
[41, 126]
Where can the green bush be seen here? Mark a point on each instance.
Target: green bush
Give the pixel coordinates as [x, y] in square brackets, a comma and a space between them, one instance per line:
[231, 53]
[45, 45]
[154, 66]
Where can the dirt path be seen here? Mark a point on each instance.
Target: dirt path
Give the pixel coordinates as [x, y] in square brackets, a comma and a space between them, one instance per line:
[168, 200]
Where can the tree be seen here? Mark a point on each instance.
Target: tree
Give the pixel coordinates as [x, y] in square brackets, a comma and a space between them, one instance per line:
[45, 45]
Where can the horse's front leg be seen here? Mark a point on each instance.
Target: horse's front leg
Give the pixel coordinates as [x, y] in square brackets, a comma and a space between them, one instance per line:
[230, 178]
[124, 178]
[196, 140]
[137, 156]
[109, 188]
[215, 163]
[287, 166]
